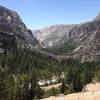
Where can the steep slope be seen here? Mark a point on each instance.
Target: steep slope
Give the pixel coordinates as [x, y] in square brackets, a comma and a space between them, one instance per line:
[77, 41]
[52, 36]
[11, 25]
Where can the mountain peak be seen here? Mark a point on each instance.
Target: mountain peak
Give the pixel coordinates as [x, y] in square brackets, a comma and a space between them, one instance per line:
[97, 17]
[10, 22]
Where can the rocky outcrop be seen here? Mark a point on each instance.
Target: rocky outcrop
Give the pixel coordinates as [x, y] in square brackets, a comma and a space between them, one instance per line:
[11, 23]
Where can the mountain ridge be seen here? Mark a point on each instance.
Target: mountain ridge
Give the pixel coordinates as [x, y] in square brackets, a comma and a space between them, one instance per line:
[80, 40]
[12, 24]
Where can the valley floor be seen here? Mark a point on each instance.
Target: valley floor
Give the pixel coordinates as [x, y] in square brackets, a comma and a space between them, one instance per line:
[91, 92]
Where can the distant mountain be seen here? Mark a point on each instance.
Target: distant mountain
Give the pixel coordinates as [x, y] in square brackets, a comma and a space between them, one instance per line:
[78, 41]
[97, 17]
[11, 26]
[52, 36]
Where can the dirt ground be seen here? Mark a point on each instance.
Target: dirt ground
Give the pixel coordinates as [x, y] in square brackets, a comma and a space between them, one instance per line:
[92, 92]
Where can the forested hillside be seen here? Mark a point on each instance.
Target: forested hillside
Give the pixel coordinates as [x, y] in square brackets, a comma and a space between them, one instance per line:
[21, 70]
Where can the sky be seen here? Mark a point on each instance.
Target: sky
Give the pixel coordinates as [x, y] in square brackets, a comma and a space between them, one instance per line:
[37, 14]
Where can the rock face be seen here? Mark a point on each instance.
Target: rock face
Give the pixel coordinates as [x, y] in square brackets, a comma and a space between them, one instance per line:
[54, 35]
[7, 42]
[78, 41]
[12, 25]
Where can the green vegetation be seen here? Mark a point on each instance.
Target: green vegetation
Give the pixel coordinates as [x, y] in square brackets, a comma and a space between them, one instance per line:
[21, 69]
[67, 47]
